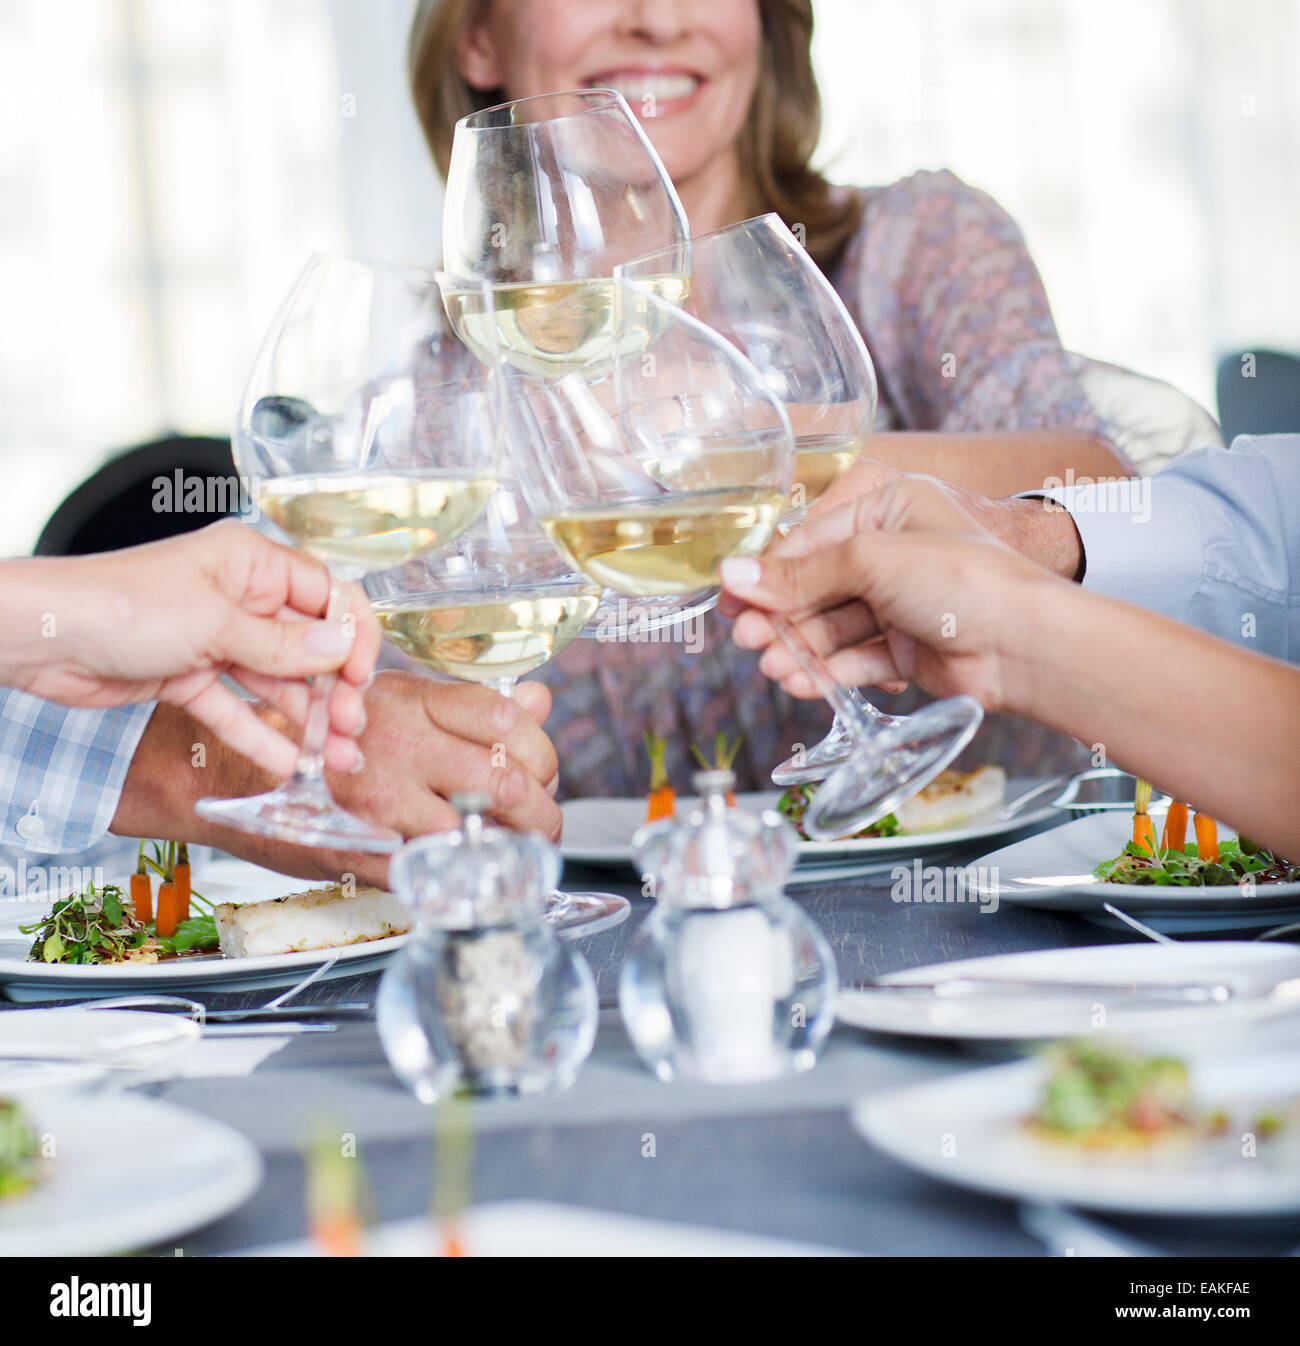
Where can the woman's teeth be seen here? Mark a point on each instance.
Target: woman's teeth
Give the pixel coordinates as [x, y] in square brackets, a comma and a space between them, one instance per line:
[644, 91]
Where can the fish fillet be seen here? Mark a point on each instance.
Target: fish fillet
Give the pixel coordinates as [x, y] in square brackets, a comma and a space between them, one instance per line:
[953, 797]
[321, 918]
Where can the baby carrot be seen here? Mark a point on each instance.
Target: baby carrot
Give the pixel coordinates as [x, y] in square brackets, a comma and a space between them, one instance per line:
[169, 909]
[1144, 832]
[1174, 837]
[142, 891]
[662, 799]
[1207, 837]
[181, 878]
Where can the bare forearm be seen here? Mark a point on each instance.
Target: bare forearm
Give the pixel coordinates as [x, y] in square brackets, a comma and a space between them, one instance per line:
[1206, 722]
[177, 762]
[1000, 464]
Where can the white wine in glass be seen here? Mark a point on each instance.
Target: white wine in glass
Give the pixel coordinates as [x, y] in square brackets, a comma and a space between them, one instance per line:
[493, 637]
[673, 544]
[358, 522]
[354, 466]
[545, 196]
[547, 330]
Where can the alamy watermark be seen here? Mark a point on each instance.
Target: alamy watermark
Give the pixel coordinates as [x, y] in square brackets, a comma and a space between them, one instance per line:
[1107, 495]
[919, 882]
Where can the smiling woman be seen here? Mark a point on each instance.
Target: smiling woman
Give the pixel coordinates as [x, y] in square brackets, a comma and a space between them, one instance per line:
[726, 92]
[975, 385]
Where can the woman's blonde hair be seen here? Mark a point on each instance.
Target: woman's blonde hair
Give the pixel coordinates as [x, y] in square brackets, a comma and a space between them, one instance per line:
[776, 142]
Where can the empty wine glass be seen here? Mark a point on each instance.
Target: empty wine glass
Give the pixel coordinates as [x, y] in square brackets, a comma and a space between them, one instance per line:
[354, 471]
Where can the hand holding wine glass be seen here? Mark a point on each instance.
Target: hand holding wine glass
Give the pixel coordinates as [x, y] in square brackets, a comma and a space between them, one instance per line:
[170, 620]
[357, 472]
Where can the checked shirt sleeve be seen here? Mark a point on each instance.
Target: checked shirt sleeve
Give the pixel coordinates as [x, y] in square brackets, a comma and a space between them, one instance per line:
[62, 770]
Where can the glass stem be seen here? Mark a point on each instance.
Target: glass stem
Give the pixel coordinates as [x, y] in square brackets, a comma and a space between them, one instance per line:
[310, 771]
[854, 712]
[506, 686]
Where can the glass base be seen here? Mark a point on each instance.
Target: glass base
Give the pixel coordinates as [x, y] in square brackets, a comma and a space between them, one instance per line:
[302, 815]
[891, 766]
[817, 762]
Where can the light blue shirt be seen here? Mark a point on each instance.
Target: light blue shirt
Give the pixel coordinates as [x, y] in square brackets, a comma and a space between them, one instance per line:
[62, 771]
[1212, 540]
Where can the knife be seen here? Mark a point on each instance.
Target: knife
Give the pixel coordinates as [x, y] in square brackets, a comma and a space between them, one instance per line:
[269, 1014]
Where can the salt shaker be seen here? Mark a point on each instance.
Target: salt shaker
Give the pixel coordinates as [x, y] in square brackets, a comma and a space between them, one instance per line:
[485, 998]
[727, 980]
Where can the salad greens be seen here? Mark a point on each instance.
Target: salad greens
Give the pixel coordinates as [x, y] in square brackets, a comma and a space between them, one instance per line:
[794, 804]
[19, 1152]
[1111, 1096]
[98, 927]
[1238, 857]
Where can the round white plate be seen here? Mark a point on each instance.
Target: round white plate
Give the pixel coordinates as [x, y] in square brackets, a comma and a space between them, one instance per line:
[230, 880]
[967, 1130]
[126, 1172]
[1053, 870]
[1251, 970]
[600, 832]
[123, 1039]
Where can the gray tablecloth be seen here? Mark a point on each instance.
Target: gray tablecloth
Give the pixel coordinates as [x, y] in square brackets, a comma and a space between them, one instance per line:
[778, 1159]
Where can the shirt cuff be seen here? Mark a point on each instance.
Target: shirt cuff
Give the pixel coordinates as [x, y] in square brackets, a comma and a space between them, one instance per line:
[1141, 543]
[62, 770]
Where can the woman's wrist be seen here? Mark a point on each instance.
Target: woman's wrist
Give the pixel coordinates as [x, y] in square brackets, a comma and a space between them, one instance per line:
[1035, 645]
[37, 624]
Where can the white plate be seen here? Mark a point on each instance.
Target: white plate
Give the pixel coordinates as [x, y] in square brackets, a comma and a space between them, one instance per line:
[966, 1130]
[548, 1229]
[600, 832]
[1053, 870]
[122, 1039]
[1250, 969]
[126, 1172]
[229, 880]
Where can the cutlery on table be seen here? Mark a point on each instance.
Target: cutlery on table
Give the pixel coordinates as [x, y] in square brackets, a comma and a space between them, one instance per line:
[1068, 1234]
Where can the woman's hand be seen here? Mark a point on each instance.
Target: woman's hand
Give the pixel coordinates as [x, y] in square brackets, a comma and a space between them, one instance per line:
[899, 584]
[165, 622]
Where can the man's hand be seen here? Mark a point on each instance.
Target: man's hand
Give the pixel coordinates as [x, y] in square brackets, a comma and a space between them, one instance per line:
[896, 585]
[1037, 529]
[423, 741]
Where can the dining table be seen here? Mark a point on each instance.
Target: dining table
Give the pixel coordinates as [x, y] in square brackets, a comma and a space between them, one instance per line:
[778, 1160]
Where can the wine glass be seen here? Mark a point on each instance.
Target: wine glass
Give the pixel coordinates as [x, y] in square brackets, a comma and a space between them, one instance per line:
[683, 457]
[754, 283]
[350, 465]
[545, 196]
[500, 601]
[624, 469]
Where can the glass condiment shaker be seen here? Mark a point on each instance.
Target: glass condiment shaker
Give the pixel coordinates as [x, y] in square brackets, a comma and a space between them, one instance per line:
[727, 980]
[485, 998]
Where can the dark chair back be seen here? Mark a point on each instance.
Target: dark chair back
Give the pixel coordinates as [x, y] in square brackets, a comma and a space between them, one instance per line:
[153, 491]
[1259, 393]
